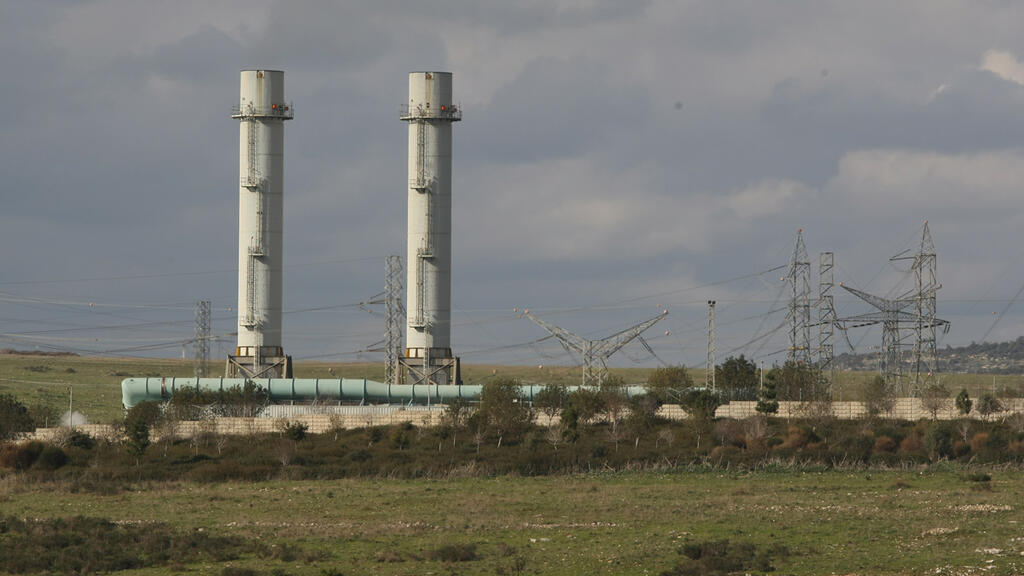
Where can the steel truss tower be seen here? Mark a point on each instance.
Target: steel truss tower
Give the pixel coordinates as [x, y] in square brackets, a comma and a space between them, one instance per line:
[896, 317]
[595, 353]
[709, 366]
[395, 318]
[201, 340]
[924, 311]
[799, 315]
[826, 319]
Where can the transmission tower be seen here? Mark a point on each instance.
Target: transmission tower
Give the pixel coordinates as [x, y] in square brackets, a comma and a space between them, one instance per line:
[891, 313]
[201, 340]
[709, 366]
[395, 319]
[924, 311]
[826, 319]
[595, 353]
[799, 316]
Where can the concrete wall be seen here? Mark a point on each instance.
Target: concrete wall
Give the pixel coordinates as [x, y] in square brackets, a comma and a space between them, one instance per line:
[321, 419]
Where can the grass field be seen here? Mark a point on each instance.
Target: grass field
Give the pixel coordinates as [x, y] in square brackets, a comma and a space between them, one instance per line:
[96, 382]
[937, 521]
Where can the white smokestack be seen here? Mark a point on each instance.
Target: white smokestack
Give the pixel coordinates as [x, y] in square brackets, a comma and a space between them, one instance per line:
[430, 115]
[262, 110]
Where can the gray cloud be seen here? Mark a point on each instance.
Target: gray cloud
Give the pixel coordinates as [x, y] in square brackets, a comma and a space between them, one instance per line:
[579, 181]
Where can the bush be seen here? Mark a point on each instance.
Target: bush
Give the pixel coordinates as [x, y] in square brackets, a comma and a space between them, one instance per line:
[668, 382]
[453, 553]
[295, 431]
[51, 458]
[939, 440]
[89, 545]
[978, 442]
[14, 418]
[722, 557]
[884, 445]
[80, 439]
[989, 405]
[700, 403]
[20, 456]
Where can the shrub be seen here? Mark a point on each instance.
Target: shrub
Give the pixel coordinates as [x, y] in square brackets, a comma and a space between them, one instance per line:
[295, 431]
[20, 456]
[236, 571]
[939, 440]
[453, 553]
[978, 442]
[989, 405]
[14, 418]
[884, 445]
[668, 382]
[731, 432]
[700, 403]
[797, 438]
[80, 439]
[963, 402]
[722, 557]
[89, 545]
[51, 458]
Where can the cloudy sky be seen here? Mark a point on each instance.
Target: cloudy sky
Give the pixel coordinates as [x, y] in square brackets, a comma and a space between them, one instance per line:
[615, 158]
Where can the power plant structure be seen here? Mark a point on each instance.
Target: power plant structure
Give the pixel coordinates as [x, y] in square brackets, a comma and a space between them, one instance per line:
[430, 112]
[262, 111]
[426, 370]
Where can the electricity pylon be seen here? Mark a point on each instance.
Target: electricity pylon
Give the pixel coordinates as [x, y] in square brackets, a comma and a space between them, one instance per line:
[594, 353]
[799, 316]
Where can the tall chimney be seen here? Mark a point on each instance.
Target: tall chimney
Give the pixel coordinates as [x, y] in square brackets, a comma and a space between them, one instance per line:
[430, 113]
[262, 110]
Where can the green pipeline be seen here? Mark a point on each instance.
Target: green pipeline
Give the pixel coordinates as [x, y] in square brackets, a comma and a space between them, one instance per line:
[347, 390]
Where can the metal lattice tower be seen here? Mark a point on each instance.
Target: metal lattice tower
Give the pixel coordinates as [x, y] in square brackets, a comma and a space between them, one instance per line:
[395, 311]
[924, 311]
[799, 316]
[595, 353]
[891, 313]
[826, 319]
[201, 340]
[709, 366]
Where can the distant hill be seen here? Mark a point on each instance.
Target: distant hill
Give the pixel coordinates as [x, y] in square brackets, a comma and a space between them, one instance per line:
[975, 358]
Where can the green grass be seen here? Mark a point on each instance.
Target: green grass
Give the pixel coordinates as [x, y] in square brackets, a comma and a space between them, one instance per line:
[878, 522]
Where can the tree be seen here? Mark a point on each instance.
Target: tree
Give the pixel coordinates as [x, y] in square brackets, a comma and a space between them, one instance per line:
[797, 381]
[767, 401]
[456, 416]
[701, 403]
[570, 424]
[551, 400]
[737, 375]
[878, 397]
[613, 396]
[14, 418]
[668, 382]
[503, 409]
[586, 403]
[643, 415]
[963, 402]
[137, 423]
[988, 405]
[137, 439]
[933, 398]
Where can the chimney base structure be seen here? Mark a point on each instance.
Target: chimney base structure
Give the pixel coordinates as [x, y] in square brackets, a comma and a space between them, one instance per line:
[261, 112]
[430, 112]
